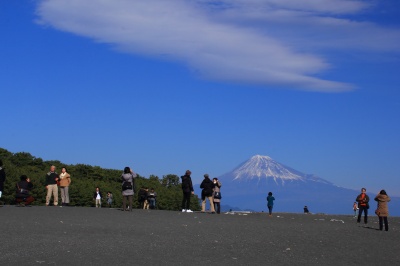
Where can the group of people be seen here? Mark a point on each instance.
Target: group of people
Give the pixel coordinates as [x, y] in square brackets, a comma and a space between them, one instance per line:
[382, 210]
[211, 191]
[53, 181]
[146, 198]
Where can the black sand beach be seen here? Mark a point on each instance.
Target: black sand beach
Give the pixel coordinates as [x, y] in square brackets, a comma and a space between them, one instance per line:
[90, 236]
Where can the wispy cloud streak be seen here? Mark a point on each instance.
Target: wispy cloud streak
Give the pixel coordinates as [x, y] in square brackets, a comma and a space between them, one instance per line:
[283, 43]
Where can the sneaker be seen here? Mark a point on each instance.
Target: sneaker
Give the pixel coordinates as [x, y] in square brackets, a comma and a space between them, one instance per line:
[183, 210]
[189, 210]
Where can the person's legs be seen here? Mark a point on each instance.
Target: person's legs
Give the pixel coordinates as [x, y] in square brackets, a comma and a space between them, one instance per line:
[385, 219]
[55, 194]
[380, 223]
[365, 215]
[203, 205]
[124, 203]
[217, 207]
[360, 211]
[48, 196]
[210, 199]
[29, 200]
[66, 195]
[130, 202]
[62, 192]
[270, 210]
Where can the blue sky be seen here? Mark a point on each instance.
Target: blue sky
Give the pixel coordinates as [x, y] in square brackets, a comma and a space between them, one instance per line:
[165, 86]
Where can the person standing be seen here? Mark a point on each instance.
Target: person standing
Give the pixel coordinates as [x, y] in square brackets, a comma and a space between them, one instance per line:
[187, 189]
[217, 195]
[97, 197]
[355, 208]
[65, 181]
[270, 203]
[128, 184]
[363, 205]
[109, 199]
[151, 197]
[382, 211]
[51, 186]
[23, 187]
[2, 178]
[208, 187]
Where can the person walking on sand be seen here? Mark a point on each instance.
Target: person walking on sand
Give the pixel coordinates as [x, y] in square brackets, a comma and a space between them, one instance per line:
[382, 211]
[217, 195]
[187, 190]
[51, 186]
[208, 187]
[270, 203]
[363, 205]
[65, 181]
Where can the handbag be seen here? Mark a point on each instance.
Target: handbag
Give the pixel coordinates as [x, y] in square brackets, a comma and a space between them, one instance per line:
[217, 195]
[127, 185]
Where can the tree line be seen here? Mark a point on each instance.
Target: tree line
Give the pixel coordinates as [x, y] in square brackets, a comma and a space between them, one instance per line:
[85, 178]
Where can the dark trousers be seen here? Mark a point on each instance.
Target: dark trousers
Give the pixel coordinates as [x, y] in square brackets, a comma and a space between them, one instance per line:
[217, 207]
[124, 202]
[28, 200]
[270, 209]
[360, 211]
[186, 200]
[381, 221]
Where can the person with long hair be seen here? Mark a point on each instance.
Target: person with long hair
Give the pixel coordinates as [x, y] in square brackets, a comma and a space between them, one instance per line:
[65, 181]
[382, 210]
[128, 184]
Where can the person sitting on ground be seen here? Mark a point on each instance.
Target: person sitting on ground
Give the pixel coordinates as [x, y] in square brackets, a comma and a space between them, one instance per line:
[151, 197]
[306, 210]
[23, 187]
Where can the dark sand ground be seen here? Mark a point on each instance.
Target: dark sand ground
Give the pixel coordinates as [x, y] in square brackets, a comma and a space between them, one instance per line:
[90, 236]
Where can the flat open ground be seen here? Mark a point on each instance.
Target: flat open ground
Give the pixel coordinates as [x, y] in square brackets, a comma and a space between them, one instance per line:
[90, 236]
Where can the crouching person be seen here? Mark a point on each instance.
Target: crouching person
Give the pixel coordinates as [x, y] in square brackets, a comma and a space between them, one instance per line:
[22, 196]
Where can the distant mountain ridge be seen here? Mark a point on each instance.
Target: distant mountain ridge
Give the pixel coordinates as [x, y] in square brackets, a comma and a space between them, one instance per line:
[247, 186]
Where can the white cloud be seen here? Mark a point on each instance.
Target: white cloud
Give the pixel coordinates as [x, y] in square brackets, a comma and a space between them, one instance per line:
[247, 41]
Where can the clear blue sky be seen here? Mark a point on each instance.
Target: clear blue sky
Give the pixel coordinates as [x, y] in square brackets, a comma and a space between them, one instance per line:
[165, 86]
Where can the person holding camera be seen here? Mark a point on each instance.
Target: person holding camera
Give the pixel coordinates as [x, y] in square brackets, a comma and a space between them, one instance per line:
[217, 195]
[128, 179]
[23, 187]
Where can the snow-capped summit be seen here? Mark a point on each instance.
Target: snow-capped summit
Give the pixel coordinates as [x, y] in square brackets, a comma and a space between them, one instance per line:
[260, 166]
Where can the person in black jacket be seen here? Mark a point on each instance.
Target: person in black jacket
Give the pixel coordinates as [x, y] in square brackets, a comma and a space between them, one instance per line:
[51, 186]
[23, 187]
[208, 187]
[2, 178]
[187, 189]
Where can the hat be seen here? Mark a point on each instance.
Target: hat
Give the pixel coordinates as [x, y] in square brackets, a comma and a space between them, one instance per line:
[206, 175]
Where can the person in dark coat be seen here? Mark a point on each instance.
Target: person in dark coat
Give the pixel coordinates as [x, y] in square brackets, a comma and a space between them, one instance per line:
[23, 187]
[208, 188]
[270, 203]
[128, 184]
[2, 177]
[187, 189]
[363, 205]
[382, 211]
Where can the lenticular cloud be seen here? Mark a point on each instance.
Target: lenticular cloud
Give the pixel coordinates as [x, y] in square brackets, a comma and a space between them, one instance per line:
[221, 40]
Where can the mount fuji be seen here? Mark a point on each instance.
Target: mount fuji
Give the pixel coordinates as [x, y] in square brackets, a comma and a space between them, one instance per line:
[247, 186]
